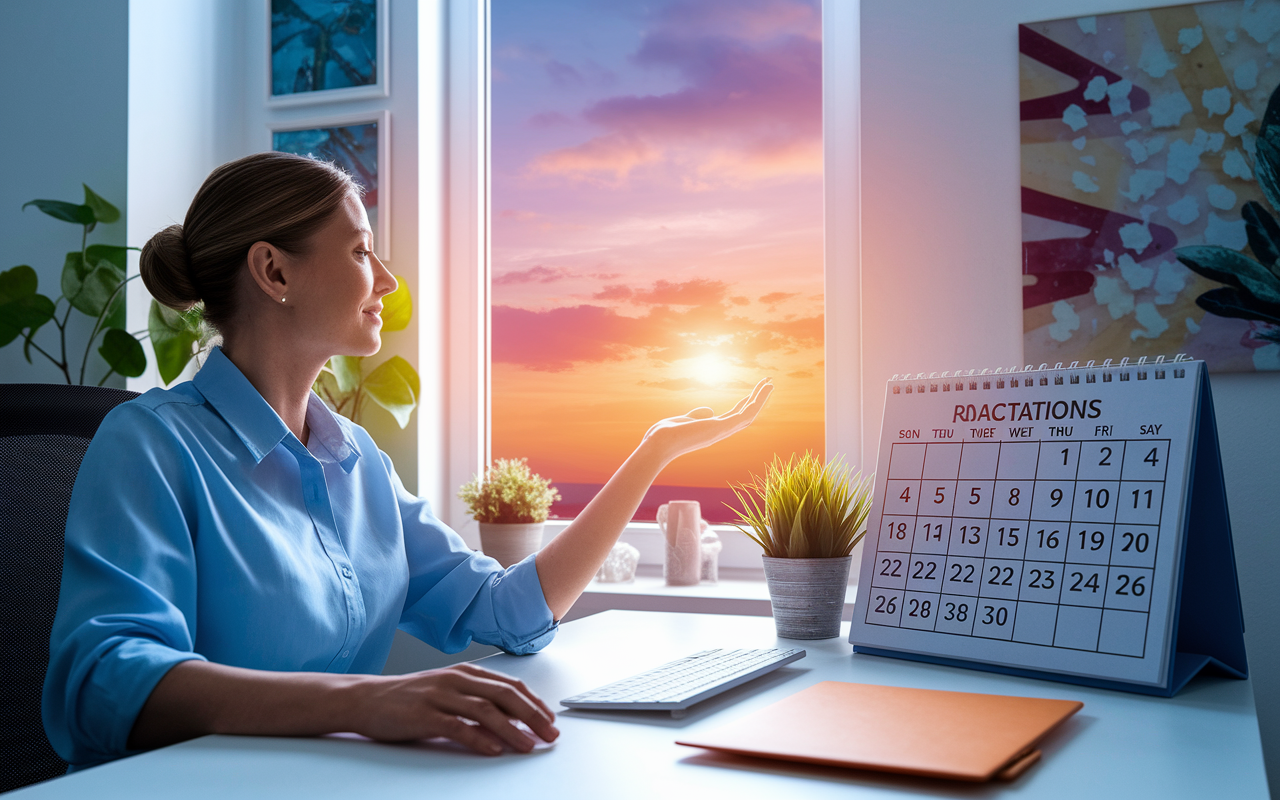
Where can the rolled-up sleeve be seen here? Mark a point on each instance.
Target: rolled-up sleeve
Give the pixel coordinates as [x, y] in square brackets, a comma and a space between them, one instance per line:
[127, 606]
[457, 596]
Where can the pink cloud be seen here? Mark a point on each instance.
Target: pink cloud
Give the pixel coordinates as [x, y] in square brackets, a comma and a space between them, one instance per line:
[558, 339]
[697, 292]
[773, 298]
[538, 274]
[554, 340]
[751, 106]
[615, 291]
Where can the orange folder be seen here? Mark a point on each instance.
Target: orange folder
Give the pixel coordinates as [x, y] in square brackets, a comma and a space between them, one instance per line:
[969, 737]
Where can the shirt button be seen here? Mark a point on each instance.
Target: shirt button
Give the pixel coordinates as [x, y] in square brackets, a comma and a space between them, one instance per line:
[346, 572]
[346, 653]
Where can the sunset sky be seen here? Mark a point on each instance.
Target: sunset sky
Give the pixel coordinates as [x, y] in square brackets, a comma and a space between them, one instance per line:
[657, 229]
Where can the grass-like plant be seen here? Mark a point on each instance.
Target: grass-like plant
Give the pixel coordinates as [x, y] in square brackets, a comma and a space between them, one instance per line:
[803, 508]
[509, 492]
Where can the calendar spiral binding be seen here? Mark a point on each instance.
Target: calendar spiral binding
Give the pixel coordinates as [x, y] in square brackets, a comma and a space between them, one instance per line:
[1029, 375]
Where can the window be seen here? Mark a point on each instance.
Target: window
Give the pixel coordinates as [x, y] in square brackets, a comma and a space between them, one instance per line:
[656, 213]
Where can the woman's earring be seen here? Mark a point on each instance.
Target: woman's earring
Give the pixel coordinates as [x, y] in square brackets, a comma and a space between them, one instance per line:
[281, 299]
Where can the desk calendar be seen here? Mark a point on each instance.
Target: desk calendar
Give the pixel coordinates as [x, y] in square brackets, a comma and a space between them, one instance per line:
[1060, 523]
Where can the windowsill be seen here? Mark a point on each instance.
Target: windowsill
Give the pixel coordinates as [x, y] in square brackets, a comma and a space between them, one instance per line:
[739, 591]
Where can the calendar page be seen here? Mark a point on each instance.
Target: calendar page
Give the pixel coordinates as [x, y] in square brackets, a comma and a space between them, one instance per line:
[1032, 519]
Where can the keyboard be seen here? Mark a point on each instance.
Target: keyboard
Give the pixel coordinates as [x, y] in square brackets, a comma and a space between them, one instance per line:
[676, 686]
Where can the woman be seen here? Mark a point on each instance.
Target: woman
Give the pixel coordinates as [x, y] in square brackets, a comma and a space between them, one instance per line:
[238, 557]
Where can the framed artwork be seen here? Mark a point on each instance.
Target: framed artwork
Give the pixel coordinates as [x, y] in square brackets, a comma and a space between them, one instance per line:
[324, 51]
[1151, 185]
[358, 143]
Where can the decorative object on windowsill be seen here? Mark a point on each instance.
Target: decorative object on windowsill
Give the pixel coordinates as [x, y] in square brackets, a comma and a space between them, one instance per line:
[93, 283]
[620, 565]
[347, 385]
[681, 524]
[806, 516]
[711, 547]
[510, 502]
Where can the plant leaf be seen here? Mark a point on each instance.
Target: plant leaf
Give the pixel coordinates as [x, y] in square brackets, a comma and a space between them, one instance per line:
[346, 370]
[1234, 269]
[123, 353]
[172, 338]
[67, 212]
[1263, 233]
[1227, 302]
[20, 306]
[397, 308]
[394, 385]
[1266, 164]
[111, 252]
[102, 212]
[96, 288]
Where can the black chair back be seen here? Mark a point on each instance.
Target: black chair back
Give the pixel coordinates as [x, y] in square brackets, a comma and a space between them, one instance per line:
[44, 432]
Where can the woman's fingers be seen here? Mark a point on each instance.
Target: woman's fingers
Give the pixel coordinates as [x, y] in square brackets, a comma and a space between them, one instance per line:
[516, 699]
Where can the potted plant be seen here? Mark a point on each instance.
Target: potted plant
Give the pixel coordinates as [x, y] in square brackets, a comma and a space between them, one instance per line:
[510, 502]
[806, 516]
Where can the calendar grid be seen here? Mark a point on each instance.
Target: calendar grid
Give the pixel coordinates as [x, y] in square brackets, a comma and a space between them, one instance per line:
[1022, 582]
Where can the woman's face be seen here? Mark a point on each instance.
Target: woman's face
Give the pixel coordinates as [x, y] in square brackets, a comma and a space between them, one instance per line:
[341, 285]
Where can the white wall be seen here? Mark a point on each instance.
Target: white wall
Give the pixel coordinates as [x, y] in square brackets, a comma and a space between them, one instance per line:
[941, 254]
[65, 64]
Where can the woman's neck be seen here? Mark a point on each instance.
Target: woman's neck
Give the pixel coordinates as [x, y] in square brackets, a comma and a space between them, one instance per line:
[282, 376]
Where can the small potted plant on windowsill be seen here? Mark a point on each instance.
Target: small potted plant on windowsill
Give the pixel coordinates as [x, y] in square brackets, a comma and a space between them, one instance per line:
[806, 516]
[511, 503]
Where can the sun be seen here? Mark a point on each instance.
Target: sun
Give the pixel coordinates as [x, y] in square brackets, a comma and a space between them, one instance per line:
[710, 369]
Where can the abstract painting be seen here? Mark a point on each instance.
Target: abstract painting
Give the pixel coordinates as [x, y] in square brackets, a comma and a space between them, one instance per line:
[1151, 185]
[319, 47]
[357, 147]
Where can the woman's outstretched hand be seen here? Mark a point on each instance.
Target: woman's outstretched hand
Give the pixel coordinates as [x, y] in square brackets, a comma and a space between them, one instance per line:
[676, 436]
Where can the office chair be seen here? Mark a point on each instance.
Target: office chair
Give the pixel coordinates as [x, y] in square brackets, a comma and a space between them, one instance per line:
[44, 432]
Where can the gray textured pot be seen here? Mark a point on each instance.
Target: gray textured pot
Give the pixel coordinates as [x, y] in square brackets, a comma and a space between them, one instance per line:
[807, 595]
[510, 543]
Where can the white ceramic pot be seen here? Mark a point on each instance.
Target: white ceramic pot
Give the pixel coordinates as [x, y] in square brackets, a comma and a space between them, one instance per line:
[807, 595]
[510, 542]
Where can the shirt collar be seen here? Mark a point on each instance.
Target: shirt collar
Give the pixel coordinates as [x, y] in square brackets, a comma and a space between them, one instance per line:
[256, 423]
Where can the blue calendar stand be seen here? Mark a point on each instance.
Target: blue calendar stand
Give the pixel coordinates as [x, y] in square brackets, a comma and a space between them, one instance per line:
[1204, 627]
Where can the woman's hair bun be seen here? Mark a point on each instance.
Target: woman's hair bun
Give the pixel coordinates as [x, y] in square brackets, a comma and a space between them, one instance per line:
[166, 269]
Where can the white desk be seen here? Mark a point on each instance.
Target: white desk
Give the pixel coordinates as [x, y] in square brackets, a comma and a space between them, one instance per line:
[1203, 743]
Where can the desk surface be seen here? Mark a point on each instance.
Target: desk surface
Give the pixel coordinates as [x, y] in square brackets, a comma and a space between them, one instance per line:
[1202, 743]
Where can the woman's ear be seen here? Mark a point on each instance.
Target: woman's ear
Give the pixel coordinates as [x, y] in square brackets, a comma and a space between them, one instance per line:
[267, 266]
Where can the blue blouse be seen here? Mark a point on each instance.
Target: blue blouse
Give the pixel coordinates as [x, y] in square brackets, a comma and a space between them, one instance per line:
[200, 527]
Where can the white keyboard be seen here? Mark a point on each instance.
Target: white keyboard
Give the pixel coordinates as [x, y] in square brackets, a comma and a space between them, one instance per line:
[676, 686]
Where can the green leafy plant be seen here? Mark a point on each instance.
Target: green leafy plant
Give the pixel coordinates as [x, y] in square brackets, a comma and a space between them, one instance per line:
[1252, 285]
[348, 385]
[93, 283]
[803, 508]
[509, 491]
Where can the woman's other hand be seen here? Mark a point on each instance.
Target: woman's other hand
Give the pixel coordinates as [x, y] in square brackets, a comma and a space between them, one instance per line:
[700, 428]
[471, 705]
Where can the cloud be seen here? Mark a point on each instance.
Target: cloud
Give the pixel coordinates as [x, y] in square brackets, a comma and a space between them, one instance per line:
[740, 301]
[518, 215]
[557, 339]
[562, 74]
[552, 341]
[697, 292]
[549, 119]
[751, 106]
[615, 291]
[774, 298]
[538, 274]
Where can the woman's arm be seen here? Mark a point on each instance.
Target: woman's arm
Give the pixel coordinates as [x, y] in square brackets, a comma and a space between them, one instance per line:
[568, 562]
[466, 703]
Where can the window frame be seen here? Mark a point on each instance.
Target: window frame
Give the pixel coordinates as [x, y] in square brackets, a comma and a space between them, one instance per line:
[466, 433]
